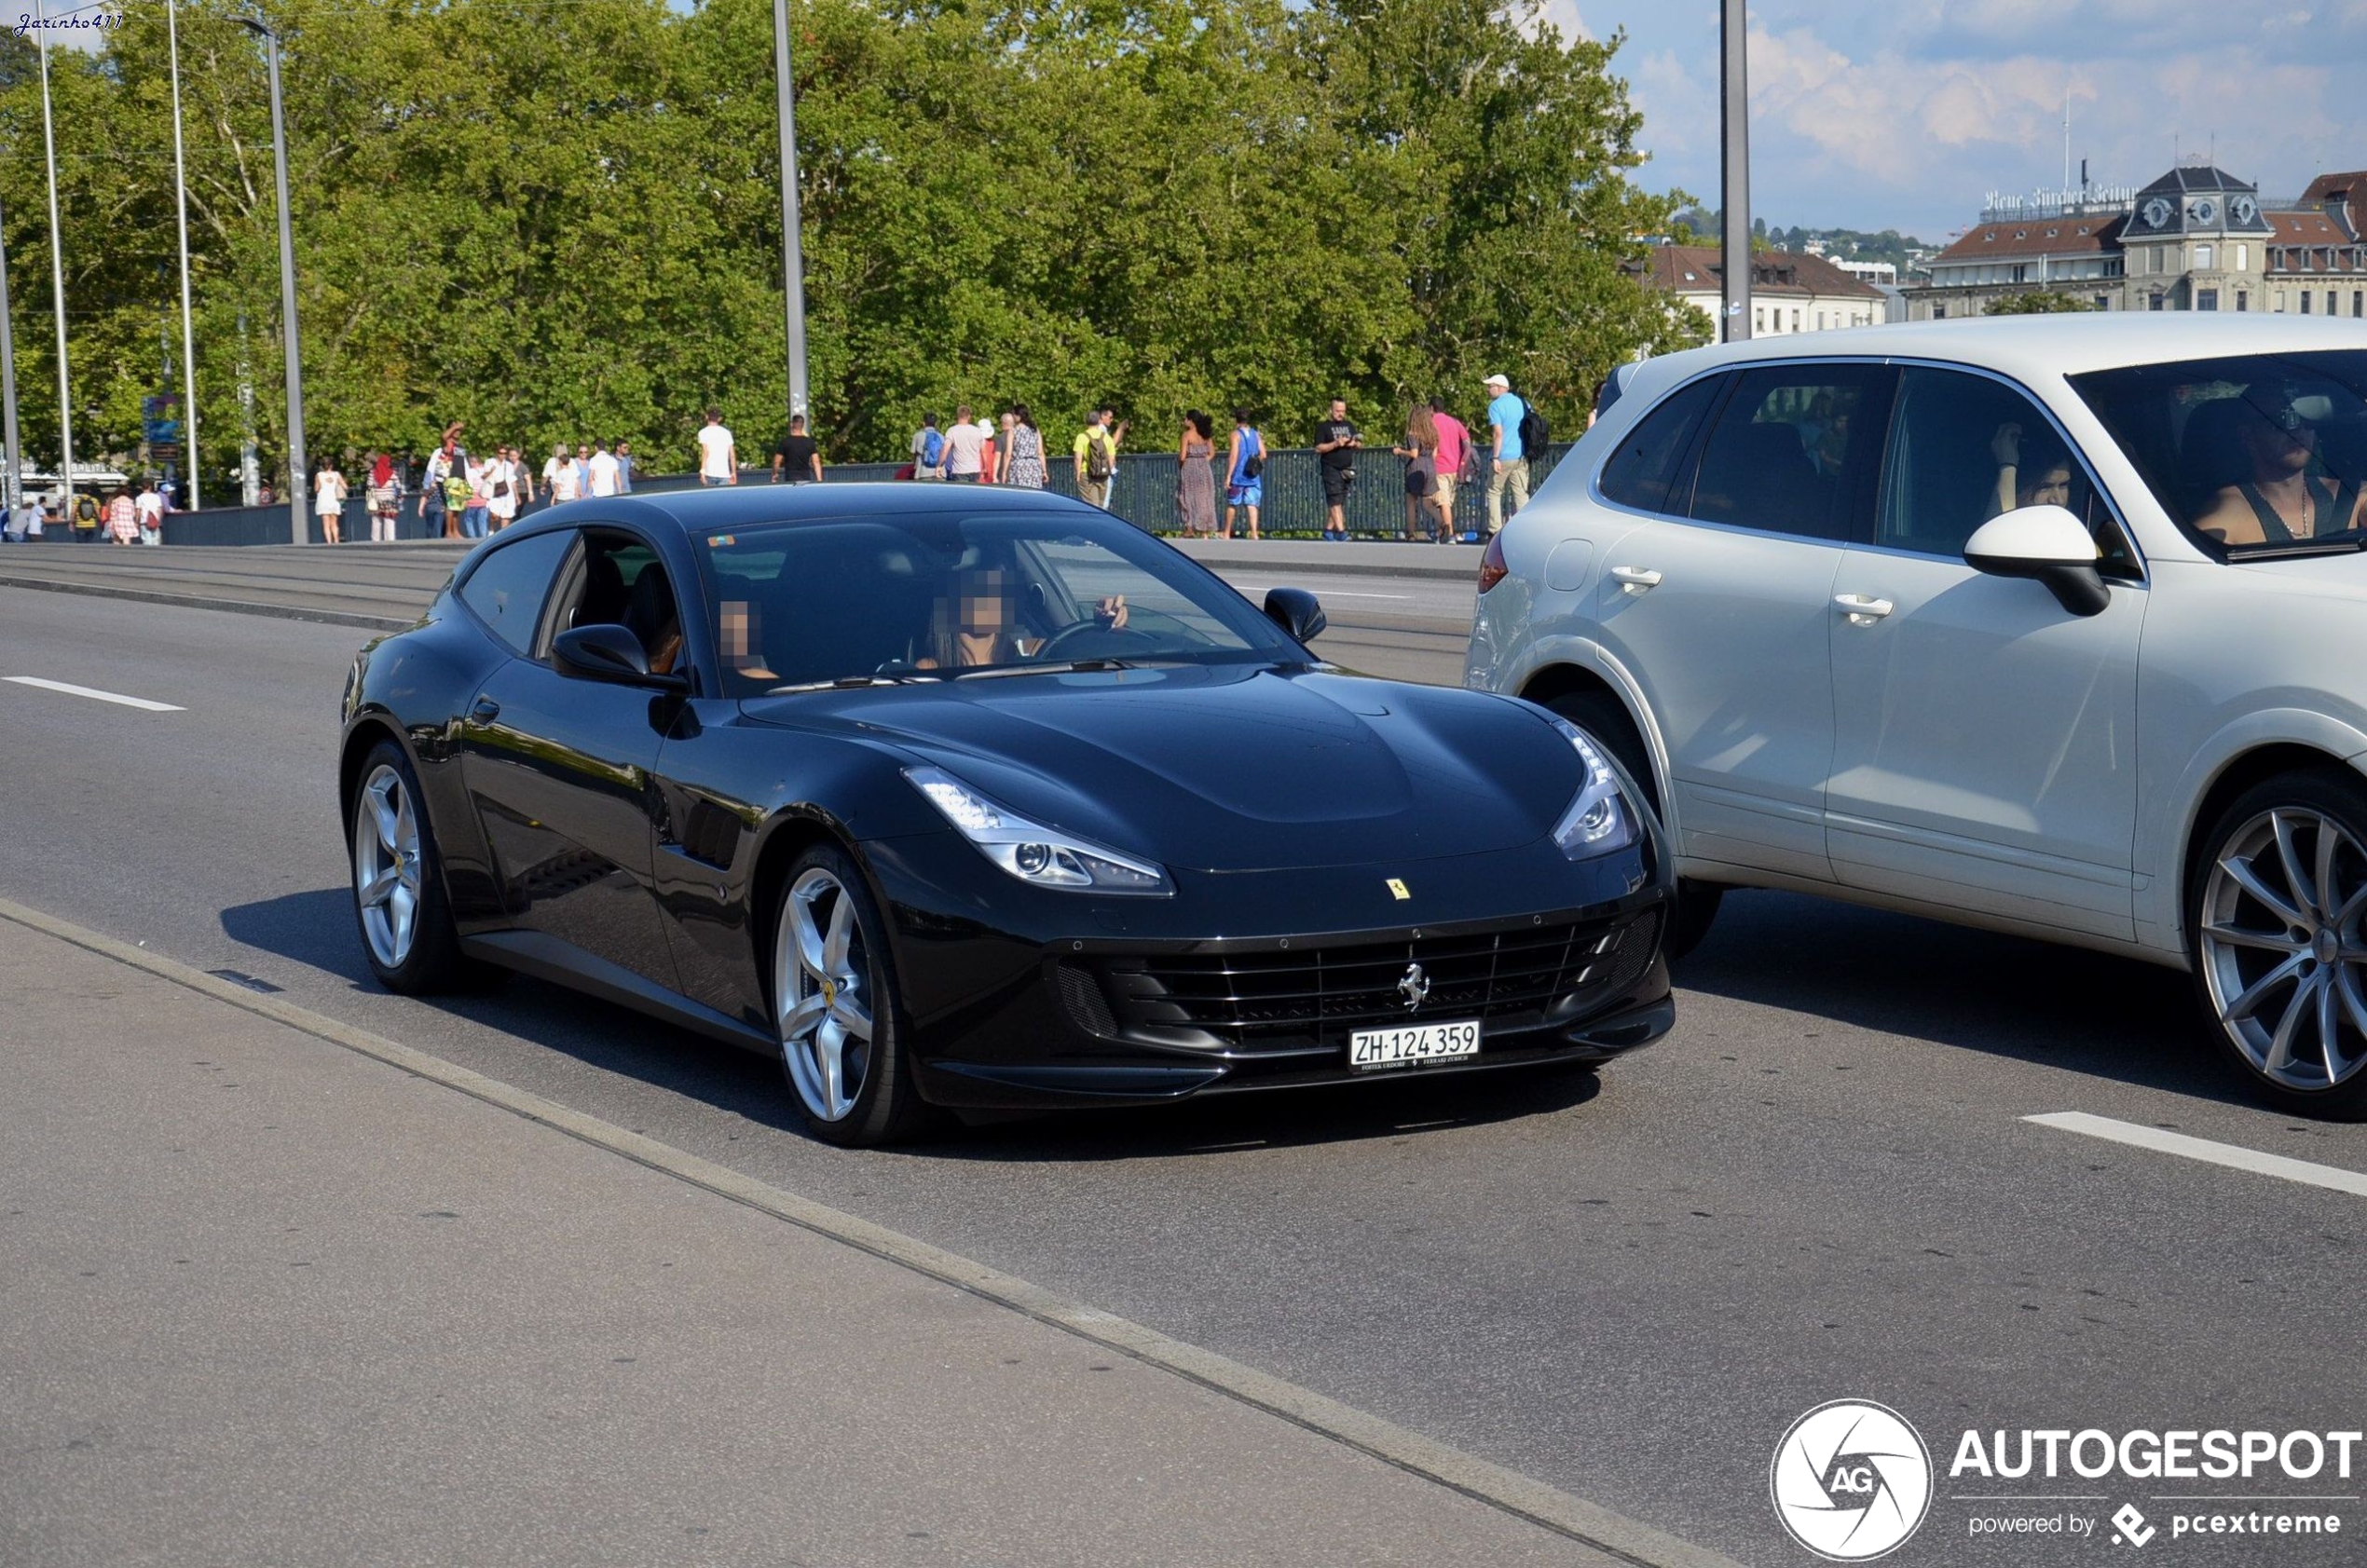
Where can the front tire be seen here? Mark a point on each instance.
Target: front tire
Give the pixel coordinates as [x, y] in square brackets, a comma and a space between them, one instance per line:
[1601, 716]
[2273, 925]
[398, 902]
[835, 1005]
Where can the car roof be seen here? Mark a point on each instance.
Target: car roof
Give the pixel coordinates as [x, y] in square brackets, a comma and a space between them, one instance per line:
[749, 506]
[2035, 347]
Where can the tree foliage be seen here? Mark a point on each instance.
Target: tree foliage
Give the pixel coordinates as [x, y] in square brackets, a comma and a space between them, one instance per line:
[561, 220]
[2038, 302]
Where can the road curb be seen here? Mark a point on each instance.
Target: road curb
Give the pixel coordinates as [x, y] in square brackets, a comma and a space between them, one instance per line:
[193, 601]
[1619, 1539]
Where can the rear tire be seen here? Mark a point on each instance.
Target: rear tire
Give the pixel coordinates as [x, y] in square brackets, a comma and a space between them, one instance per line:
[1602, 716]
[399, 903]
[2276, 906]
[836, 1008]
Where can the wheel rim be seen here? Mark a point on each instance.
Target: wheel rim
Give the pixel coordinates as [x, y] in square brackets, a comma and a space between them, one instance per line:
[822, 979]
[2282, 950]
[385, 866]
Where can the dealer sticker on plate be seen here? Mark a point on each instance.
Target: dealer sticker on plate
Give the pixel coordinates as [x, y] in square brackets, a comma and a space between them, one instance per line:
[1415, 1042]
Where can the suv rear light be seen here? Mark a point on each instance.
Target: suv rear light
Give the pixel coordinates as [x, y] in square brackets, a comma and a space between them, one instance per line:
[1492, 567]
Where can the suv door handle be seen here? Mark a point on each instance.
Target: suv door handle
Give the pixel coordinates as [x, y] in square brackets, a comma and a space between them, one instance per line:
[1863, 610]
[1635, 579]
[485, 710]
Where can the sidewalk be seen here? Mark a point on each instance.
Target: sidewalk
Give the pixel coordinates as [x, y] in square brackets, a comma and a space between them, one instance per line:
[266, 1300]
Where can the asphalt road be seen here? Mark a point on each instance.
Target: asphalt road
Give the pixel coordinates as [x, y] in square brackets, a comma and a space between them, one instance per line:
[1820, 1186]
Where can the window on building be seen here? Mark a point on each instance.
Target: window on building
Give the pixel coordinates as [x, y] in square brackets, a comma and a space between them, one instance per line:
[2305, 302]
[2277, 303]
[2206, 299]
[2103, 302]
[2021, 272]
[1940, 313]
[2243, 300]
[2359, 302]
[2243, 257]
[2157, 304]
[1795, 449]
[2202, 258]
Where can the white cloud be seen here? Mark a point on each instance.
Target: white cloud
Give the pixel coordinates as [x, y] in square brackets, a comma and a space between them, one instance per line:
[1564, 18]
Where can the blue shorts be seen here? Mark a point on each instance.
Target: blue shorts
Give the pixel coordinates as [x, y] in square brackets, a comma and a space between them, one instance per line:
[1249, 493]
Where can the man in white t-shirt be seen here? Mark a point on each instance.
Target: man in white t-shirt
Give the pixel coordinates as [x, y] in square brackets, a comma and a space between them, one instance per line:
[964, 445]
[147, 509]
[559, 474]
[719, 459]
[603, 470]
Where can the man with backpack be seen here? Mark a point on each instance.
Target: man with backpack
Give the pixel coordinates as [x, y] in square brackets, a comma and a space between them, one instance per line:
[928, 449]
[1518, 433]
[1096, 449]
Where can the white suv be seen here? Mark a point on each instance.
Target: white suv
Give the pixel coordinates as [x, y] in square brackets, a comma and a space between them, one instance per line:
[2056, 626]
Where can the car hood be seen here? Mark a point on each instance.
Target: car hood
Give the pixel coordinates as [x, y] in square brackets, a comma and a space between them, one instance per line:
[1229, 768]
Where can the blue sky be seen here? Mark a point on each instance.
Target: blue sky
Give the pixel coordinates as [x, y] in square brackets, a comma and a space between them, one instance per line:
[1905, 115]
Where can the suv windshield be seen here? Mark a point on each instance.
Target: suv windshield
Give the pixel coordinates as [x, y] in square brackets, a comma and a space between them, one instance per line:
[935, 596]
[2256, 454]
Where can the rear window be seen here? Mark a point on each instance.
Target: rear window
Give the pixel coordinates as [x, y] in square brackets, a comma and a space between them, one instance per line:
[1795, 449]
[506, 588]
[1643, 469]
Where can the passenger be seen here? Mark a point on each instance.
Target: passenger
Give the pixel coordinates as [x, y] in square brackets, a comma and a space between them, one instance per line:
[2279, 503]
[2044, 480]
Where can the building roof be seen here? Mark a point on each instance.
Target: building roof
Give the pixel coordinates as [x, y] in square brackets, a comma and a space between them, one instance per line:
[2337, 188]
[1783, 274]
[2310, 227]
[2083, 235]
[2189, 179]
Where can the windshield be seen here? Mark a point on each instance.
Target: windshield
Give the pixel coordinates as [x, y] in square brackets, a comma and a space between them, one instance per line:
[2256, 454]
[938, 596]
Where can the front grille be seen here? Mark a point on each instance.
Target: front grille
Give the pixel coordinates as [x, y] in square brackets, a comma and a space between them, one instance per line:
[1313, 996]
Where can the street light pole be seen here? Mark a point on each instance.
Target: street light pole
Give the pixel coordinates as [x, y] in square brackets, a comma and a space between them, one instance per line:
[298, 531]
[181, 203]
[1734, 212]
[12, 497]
[57, 277]
[792, 258]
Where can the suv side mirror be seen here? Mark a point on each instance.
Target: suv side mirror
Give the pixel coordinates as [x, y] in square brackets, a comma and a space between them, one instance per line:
[2051, 546]
[1295, 611]
[611, 653]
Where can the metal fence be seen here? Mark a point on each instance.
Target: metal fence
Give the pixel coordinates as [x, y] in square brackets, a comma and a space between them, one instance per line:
[1142, 492]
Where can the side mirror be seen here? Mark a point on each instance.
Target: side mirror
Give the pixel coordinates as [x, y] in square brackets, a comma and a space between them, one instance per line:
[2051, 546]
[1295, 611]
[611, 653]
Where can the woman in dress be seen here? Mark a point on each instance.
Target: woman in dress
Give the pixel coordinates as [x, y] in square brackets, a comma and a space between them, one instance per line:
[1196, 475]
[1420, 453]
[1244, 487]
[381, 496]
[328, 499]
[1022, 450]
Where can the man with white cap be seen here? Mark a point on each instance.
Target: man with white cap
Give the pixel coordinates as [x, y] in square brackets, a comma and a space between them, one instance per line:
[1509, 469]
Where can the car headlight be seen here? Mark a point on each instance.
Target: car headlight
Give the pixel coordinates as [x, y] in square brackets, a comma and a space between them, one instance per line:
[1041, 856]
[1602, 818]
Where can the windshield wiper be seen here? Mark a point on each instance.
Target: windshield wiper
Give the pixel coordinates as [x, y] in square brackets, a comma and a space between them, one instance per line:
[2349, 544]
[849, 683]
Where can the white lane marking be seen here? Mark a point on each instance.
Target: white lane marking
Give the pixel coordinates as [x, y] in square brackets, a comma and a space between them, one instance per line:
[2230, 1154]
[141, 702]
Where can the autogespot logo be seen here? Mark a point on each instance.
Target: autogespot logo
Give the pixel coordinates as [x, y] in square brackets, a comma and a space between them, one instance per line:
[1851, 1480]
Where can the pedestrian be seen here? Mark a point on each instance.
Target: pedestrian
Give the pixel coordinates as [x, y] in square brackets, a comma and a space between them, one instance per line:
[1336, 445]
[1096, 451]
[1196, 475]
[999, 464]
[559, 476]
[149, 507]
[624, 469]
[24, 523]
[434, 497]
[1023, 452]
[799, 453]
[468, 492]
[600, 472]
[1454, 457]
[965, 447]
[719, 459]
[86, 518]
[928, 449]
[502, 482]
[328, 499]
[122, 518]
[1245, 471]
[1420, 453]
[985, 450]
[378, 494]
[1508, 467]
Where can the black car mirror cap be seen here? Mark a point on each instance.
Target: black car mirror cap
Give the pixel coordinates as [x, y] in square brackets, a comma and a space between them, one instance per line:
[610, 652]
[1295, 611]
[2051, 546]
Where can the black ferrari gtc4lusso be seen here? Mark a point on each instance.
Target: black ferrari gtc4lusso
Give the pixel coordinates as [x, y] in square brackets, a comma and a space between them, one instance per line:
[979, 799]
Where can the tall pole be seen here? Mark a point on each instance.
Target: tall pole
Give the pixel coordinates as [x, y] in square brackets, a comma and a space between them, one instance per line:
[1734, 215]
[13, 495]
[298, 532]
[57, 278]
[792, 257]
[181, 203]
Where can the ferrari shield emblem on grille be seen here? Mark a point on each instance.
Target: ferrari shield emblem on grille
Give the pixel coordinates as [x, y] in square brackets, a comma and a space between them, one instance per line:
[1415, 987]
[1397, 889]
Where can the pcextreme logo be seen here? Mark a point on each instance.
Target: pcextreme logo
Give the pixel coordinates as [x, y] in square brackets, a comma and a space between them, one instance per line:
[1851, 1480]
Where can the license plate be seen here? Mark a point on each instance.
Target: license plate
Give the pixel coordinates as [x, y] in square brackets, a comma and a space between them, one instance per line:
[1415, 1042]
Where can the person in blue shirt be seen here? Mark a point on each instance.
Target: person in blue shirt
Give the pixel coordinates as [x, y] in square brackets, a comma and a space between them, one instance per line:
[1508, 467]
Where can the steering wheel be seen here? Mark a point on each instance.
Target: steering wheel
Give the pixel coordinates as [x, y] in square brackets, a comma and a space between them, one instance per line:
[1090, 638]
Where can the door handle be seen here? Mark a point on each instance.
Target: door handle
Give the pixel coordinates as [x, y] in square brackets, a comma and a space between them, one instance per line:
[485, 710]
[1863, 610]
[1635, 579]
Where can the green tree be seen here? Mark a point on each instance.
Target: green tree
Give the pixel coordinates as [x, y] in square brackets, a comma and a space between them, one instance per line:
[2040, 302]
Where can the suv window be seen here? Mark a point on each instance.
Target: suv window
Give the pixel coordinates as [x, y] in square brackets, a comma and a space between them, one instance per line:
[1642, 470]
[506, 588]
[1793, 450]
[1964, 449]
[619, 580]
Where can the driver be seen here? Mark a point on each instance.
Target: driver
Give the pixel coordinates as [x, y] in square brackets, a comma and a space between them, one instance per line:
[977, 625]
[2279, 503]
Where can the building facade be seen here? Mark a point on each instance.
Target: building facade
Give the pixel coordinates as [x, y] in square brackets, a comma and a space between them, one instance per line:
[1790, 292]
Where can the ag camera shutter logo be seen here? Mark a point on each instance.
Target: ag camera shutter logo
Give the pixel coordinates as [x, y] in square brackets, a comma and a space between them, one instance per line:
[1851, 1480]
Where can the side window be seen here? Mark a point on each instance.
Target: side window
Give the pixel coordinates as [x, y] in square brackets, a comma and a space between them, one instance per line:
[619, 580]
[1642, 470]
[1795, 449]
[506, 588]
[1965, 449]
